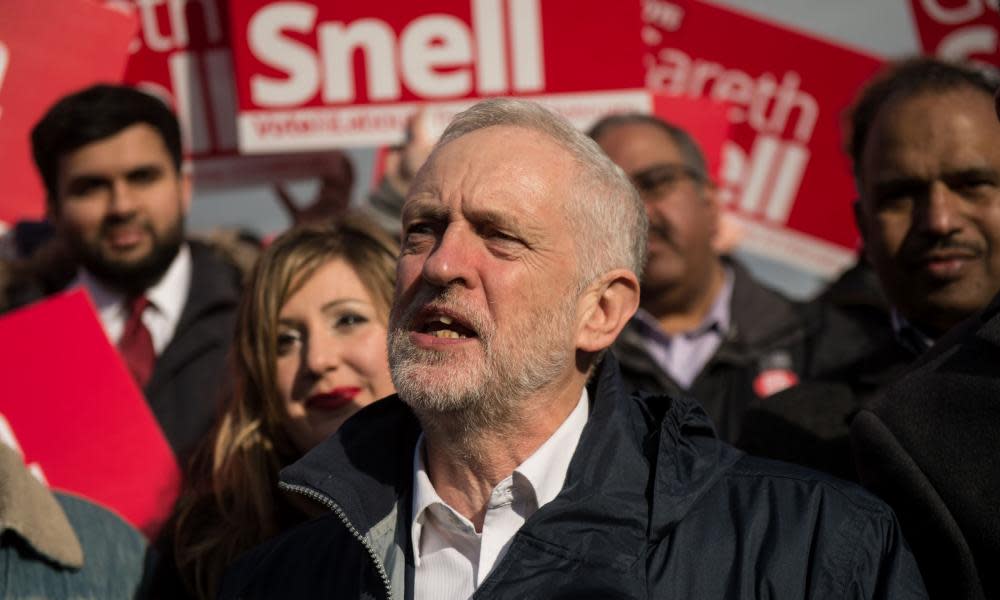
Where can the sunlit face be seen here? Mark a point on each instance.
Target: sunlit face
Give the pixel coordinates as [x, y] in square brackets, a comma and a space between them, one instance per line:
[930, 205]
[331, 354]
[121, 206]
[485, 308]
[683, 217]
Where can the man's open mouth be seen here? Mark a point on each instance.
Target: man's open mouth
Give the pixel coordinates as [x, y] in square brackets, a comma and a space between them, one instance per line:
[446, 326]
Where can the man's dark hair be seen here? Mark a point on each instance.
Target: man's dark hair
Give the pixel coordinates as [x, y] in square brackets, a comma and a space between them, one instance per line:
[690, 152]
[91, 115]
[906, 79]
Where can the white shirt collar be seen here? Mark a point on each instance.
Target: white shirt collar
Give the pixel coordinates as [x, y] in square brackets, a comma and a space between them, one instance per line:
[545, 470]
[170, 293]
[167, 297]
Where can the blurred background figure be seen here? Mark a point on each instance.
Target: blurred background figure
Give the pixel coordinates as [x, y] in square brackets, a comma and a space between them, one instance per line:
[333, 196]
[385, 203]
[310, 352]
[110, 159]
[55, 545]
[705, 326]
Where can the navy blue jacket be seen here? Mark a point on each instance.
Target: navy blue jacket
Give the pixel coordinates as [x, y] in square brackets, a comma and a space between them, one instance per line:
[654, 506]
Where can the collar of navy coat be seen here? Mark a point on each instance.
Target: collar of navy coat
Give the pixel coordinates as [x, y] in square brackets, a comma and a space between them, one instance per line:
[641, 465]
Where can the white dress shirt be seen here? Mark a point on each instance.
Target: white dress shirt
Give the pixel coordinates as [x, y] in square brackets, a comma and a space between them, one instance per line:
[451, 558]
[166, 297]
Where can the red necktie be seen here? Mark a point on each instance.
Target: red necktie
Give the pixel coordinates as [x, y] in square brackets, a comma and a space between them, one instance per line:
[136, 345]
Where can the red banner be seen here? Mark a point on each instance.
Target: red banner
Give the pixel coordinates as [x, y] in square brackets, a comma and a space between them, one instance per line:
[48, 49]
[74, 413]
[959, 29]
[314, 75]
[784, 174]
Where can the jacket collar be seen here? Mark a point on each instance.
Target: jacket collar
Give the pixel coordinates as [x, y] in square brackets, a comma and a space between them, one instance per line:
[28, 509]
[645, 459]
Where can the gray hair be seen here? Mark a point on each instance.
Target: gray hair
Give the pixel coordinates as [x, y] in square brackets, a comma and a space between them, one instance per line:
[609, 216]
[690, 151]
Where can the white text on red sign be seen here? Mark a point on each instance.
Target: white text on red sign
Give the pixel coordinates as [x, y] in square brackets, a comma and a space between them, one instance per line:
[970, 38]
[437, 56]
[4, 61]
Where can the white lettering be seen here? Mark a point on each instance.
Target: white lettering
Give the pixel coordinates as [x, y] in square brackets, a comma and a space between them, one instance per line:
[337, 44]
[437, 54]
[972, 9]
[190, 100]
[967, 42]
[667, 15]
[4, 61]
[491, 71]
[177, 36]
[760, 102]
[295, 59]
[151, 34]
[431, 42]
[526, 42]
[788, 175]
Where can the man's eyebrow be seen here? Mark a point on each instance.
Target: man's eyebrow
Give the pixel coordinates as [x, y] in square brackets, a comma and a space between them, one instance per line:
[424, 210]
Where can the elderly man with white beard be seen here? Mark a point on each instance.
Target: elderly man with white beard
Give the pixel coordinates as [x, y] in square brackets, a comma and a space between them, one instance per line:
[512, 464]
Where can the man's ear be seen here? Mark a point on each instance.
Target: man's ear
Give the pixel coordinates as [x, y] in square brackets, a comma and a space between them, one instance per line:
[607, 305]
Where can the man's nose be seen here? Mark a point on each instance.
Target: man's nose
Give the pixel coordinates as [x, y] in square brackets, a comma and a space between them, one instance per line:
[122, 197]
[942, 214]
[451, 261]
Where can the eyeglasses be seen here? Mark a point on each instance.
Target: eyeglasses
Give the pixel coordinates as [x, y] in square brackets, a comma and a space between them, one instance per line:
[659, 180]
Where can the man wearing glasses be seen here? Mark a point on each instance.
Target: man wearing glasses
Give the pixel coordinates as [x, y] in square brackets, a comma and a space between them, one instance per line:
[704, 326]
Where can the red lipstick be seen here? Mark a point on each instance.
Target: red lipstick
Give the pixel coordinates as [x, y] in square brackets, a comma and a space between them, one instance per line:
[333, 399]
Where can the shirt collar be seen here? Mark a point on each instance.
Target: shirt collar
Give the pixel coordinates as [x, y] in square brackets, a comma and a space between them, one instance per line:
[167, 295]
[908, 334]
[545, 470]
[718, 318]
[170, 293]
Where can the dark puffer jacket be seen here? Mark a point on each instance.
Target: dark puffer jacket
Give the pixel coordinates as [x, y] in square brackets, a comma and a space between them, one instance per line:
[653, 507]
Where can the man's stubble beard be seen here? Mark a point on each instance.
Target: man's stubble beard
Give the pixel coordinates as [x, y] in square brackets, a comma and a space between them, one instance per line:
[488, 395]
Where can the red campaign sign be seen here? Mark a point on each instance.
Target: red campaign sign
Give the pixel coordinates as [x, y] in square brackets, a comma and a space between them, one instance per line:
[77, 417]
[314, 75]
[784, 175]
[703, 119]
[48, 49]
[959, 29]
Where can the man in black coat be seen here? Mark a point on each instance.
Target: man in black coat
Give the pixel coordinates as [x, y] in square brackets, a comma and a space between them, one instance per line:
[927, 165]
[929, 445]
[110, 159]
[513, 463]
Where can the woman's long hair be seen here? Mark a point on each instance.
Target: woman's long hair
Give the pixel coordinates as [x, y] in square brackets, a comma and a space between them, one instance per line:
[232, 501]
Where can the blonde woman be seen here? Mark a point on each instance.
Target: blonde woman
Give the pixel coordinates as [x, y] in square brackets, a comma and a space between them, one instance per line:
[310, 351]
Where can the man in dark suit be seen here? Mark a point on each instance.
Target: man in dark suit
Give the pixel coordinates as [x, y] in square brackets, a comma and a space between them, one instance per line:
[927, 166]
[110, 158]
[929, 445]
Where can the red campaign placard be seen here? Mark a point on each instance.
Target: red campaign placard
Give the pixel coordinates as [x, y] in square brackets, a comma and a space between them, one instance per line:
[48, 49]
[703, 119]
[784, 174]
[959, 29]
[77, 417]
[181, 54]
[314, 75]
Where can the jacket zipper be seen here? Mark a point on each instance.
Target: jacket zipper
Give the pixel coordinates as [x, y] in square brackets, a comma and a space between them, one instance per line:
[333, 506]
